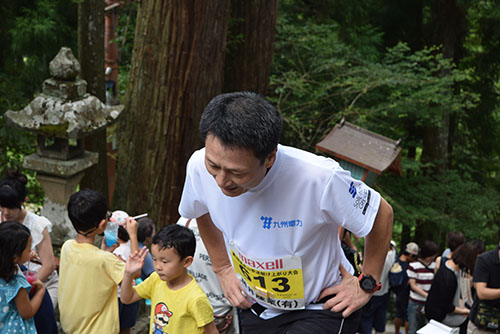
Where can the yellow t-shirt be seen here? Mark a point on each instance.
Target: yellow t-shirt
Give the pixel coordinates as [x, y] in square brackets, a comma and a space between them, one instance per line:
[88, 293]
[182, 311]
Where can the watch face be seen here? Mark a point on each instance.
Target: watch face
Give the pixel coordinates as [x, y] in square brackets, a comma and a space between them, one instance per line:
[366, 284]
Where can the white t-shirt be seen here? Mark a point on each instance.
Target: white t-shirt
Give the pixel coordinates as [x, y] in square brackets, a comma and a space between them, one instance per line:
[123, 250]
[295, 211]
[36, 224]
[384, 276]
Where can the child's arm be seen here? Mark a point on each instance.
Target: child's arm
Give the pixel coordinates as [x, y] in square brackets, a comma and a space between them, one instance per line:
[210, 328]
[128, 294]
[131, 228]
[26, 307]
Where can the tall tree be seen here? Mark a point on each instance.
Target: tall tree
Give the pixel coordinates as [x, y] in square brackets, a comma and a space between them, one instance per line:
[177, 67]
[252, 30]
[91, 57]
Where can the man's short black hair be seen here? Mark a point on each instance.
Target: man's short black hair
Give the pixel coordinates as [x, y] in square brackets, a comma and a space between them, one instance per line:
[181, 238]
[86, 209]
[243, 120]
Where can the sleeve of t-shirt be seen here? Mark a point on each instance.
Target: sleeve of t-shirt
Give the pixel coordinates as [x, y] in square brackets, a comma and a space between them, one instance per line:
[114, 267]
[350, 203]
[145, 288]
[191, 205]
[411, 272]
[201, 311]
[481, 271]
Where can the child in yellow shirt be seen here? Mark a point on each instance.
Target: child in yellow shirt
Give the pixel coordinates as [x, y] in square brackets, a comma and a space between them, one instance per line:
[179, 305]
[88, 276]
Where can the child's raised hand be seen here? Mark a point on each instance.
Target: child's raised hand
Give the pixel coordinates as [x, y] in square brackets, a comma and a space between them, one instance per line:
[136, 261]
[131, 226]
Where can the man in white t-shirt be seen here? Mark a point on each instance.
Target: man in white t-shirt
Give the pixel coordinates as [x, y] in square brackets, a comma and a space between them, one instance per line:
[269, 215]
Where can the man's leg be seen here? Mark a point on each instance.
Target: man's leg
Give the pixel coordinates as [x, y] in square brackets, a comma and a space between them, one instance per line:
[412, 317]
[397, 324]
[379, 312]
[366, 323]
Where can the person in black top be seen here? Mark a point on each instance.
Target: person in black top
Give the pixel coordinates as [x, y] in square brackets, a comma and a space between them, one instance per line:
[487, 283]
[443, 301]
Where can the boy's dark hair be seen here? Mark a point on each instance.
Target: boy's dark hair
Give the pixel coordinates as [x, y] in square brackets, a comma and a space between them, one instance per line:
[454, 239]
[427, 248]
[13, 190]
[86, 209]
[181, 238]
[145, 229]
[13, 240]
[123, 234]
[243, 120]
[465, 257]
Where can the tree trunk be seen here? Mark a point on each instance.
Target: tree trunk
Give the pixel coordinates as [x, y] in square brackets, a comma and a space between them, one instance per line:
[450, 27]
[176, 69]
[250, 45]
[91, 57]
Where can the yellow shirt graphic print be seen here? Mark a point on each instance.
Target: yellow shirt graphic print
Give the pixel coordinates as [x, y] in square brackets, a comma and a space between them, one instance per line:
[274, 282]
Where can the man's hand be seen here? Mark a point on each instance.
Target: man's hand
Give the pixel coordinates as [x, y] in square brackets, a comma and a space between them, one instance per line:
[349, 295]
[136, 261]
[231, 286]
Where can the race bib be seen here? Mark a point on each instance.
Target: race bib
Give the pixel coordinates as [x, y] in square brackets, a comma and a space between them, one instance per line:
[274, 282]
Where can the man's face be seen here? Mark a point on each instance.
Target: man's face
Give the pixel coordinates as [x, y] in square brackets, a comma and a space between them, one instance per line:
[236, 170]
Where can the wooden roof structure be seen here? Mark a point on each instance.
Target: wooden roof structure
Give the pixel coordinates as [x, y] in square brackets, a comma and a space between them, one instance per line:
[363, 148]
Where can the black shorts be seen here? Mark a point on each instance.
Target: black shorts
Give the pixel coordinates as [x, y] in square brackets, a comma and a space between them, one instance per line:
[300, 322]
[127, 314]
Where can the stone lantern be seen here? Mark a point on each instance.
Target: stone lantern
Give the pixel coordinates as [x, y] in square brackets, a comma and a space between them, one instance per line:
[61, 116]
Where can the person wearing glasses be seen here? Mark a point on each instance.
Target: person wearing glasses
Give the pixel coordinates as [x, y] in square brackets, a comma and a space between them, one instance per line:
[89, 276]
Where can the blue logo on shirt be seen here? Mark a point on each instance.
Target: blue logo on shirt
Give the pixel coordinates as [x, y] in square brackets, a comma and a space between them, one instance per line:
[352, 190]
[268, 223]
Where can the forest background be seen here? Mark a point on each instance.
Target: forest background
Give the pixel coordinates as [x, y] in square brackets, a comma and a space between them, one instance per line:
[424, 71]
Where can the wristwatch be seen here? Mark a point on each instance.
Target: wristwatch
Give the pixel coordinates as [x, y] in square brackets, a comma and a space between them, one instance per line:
[368, 283]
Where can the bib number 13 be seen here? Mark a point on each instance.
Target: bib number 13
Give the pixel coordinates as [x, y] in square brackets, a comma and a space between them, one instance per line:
[280, 284]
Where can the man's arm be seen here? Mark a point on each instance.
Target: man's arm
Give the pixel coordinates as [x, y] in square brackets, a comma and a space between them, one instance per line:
[349, 295]
[378, 240]
[485, 293]
[214, 242]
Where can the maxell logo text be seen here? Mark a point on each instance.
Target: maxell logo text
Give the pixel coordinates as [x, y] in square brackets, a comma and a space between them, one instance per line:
[269, 265]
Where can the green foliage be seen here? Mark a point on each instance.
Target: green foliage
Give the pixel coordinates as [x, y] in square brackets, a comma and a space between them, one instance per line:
[31, 33]
[324, 70]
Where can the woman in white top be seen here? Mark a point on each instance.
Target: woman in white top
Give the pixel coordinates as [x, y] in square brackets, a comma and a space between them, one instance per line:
[12, 199]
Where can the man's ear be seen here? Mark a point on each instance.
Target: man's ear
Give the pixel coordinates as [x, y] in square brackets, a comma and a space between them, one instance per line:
[188, 260]
[271, 158]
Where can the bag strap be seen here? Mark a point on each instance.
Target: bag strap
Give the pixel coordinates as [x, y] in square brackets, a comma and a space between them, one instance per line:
[189, 221]
[426, 266]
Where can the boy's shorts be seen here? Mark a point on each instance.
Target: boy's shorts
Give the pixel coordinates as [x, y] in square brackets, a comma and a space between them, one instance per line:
[127, 314]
